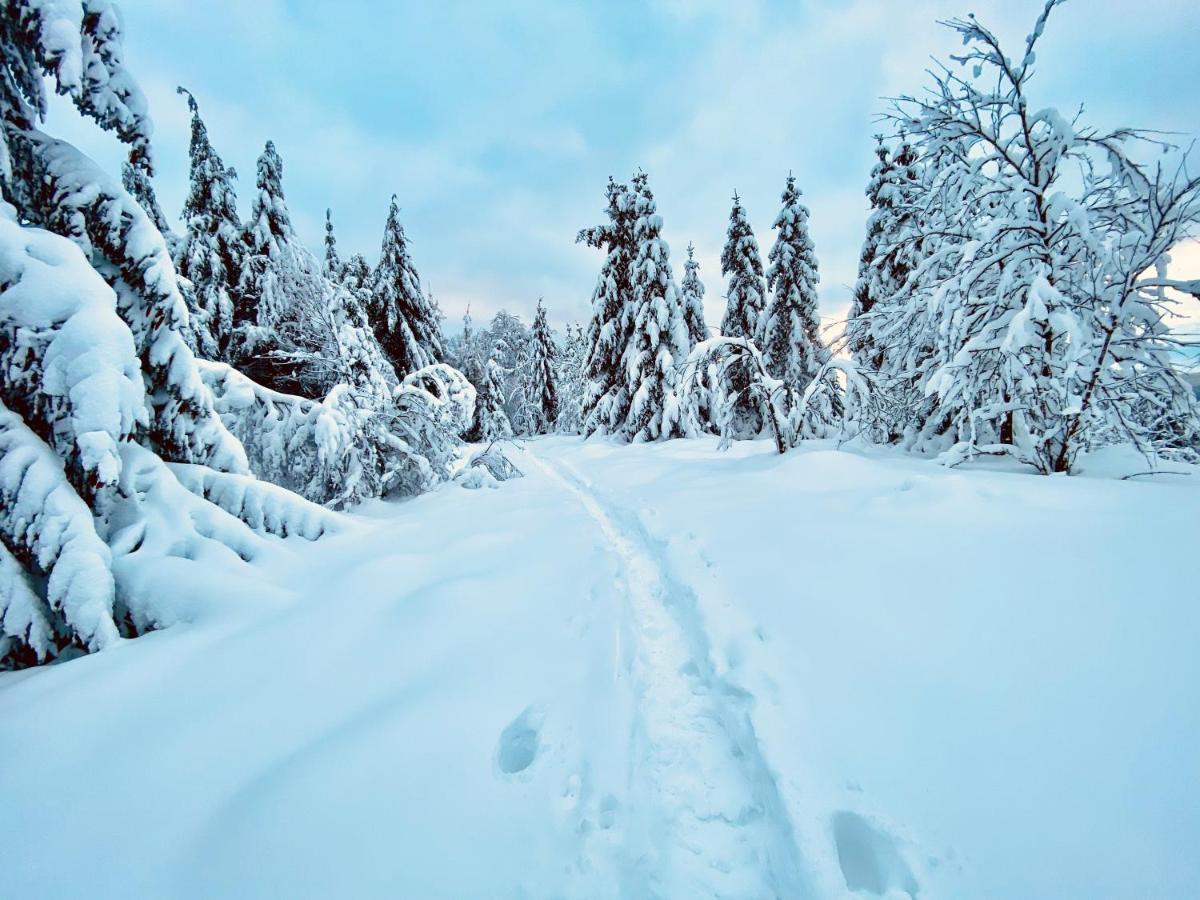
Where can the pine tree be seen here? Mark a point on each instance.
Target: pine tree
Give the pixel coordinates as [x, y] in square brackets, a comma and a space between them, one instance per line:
[281, 285]
[212, 252]
[692, 291]
[791, 331]
[570, 381]
[659, 341]
[333, 268]
[886, 260]
[511, 342]
[405, 322]
[543, 388]
[270, 242]
[605, 403]
[358, 274]
[136, 180]
[745, 302]
[491, 421]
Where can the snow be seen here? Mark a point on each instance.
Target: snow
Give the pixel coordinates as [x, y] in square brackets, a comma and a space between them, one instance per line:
[650, 670]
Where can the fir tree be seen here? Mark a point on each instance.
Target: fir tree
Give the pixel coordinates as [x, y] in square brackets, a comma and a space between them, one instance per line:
[543, 387]
[745, 302]
[692, 291]
[886, 260]
[570, 381]
[212, 252]
[791, 337]
[136, 180]
[605, 403]
[333, 268]
[659, 341]
[405, 322]
[280, 287]
[491, 421]
[510, 341]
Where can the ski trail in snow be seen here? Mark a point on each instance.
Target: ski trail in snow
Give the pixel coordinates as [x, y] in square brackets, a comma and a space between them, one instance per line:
[711, 822]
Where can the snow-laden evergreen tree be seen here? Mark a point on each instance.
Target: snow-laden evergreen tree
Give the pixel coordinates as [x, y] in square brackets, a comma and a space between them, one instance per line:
[405, 322]
[491, 421]
[281, 281]
[1040, 295]
[100, 389]
[569, 378]
[136, 180]
[357, 274]
[605, 404]
[333, 268]
[691, 289]
[746, 298]
[211, 253]
[658, 340]
[791, 341]
[543, 383]
[510, 342]
[886, 260]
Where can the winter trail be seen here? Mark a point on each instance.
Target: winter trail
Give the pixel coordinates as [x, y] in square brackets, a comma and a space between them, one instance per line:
[712, 822]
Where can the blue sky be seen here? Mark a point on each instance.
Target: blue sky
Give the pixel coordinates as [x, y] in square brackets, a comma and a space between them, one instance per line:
[497, 123]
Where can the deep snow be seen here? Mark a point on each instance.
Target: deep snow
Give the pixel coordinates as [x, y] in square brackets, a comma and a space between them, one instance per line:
[656, 670]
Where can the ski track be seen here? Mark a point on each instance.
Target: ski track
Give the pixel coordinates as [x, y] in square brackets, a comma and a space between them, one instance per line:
[711, 817]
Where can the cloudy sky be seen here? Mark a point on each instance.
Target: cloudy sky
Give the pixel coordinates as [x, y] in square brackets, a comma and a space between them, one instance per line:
[498, 122]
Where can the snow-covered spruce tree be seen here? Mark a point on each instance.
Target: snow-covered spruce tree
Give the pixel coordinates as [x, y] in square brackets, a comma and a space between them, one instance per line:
[1049, 335]
[886, 258]
[691, 290]
[745, 302]
[510, 342]
[136, 180]
[405, 322]
[491, 421]
[543, 386]
[99, 386]
[658, 339]
[211, 253]
[279, 276]
[570, 382]
[333, 268]
[605, 404]
[791, 331]
[357, 275]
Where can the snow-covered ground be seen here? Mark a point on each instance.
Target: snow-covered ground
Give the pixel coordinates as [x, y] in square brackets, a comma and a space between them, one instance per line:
[650, 671]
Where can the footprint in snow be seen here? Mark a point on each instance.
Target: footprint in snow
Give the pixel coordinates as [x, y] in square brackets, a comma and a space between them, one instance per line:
[869, 858]
[519, 742]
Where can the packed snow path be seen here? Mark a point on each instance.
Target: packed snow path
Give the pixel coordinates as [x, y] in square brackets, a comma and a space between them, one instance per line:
[709, 806]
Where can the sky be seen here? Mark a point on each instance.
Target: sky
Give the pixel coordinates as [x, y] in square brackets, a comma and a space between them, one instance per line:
[497, 123]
